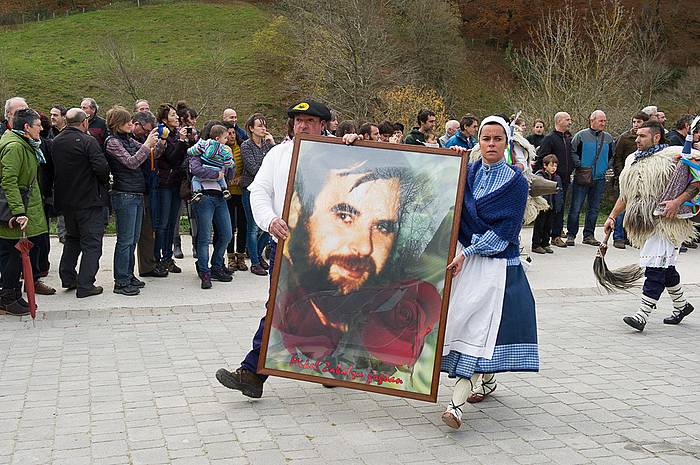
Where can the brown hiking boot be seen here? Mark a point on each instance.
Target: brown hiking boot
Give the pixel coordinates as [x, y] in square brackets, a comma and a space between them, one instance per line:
[42, 288]
[242, 380]
[559, 242]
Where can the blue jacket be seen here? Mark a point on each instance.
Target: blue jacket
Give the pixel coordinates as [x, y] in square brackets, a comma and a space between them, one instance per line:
[459, 140]
[583, 150]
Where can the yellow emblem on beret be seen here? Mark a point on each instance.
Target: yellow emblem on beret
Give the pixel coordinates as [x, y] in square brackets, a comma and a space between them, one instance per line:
[303, 106]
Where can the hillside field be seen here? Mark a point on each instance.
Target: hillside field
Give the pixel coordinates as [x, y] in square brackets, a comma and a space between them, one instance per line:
[58, 61]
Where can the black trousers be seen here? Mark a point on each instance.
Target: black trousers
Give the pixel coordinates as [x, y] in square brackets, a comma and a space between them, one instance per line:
[542, 229]
[238, 224]
[558, 222]
[11, 261]
[657, 279]
[85, 229]
[43, 263]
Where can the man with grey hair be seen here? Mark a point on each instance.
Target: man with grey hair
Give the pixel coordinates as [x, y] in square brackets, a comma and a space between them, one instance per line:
[97, 126]
[81, 186]
[451, 128]
[592, 150]
[11, 106]
[558, 142]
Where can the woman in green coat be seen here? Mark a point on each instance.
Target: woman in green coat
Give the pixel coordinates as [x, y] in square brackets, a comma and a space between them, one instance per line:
[20, 156]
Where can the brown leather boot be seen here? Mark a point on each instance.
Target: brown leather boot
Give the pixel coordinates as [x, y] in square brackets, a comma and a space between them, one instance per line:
[240, 262]
[232, 261]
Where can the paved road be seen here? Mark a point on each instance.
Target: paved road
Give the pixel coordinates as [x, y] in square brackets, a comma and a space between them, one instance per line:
[117, 380]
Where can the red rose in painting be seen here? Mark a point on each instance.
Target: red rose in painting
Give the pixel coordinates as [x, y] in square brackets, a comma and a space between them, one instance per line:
[401, 316]
[304, 327]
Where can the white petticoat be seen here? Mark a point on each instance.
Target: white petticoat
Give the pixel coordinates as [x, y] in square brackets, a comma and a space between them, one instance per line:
[657, 252]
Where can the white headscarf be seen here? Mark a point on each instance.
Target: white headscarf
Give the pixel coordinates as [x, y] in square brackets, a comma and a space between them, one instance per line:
[498, 120]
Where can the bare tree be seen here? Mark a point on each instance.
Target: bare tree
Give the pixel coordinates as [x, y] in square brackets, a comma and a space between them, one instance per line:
[602, 61]
[348, 57]
[121, 72]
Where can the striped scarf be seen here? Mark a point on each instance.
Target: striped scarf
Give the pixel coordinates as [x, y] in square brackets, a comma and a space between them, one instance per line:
[36, 145]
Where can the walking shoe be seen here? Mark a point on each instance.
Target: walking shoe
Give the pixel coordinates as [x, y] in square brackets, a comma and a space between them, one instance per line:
[219, 274]
[137, 282]
[13, 308]
[69, 286]
[678, 315]
[264, 264]
[94, 290]
[559, 242]
[206, 280]
[41, 288]
[570, 241]
[171, 266]
[156, 272]
[548, 249]
[619, 244]
[590, 240]
[240, 262]
[538, 249]
[177, 252]
[452, 417]
[690, 245]
[126, 289]
[258, 270]
[242, 380]
[635, 322]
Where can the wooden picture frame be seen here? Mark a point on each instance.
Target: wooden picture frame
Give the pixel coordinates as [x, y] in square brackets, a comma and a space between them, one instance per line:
[359, 291]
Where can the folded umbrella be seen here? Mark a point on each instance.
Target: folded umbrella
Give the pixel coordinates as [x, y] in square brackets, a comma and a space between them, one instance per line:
[24, 245]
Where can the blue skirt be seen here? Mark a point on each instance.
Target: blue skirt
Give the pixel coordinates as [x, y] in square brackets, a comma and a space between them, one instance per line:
[516, 343]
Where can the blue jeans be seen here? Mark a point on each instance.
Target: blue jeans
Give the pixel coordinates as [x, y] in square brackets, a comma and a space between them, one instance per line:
[619, 233]
[166, 213]
[208, 211]
[250, 362]
[256, 239]
[594, 193]
[128, 215]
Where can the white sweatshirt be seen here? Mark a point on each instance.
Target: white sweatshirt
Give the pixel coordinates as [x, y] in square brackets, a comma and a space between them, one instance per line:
[268, 189]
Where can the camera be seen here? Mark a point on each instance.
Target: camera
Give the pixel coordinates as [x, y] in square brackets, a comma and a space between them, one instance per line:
[189, 131]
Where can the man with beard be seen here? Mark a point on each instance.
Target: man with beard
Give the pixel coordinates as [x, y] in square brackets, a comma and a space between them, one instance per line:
[341, 250]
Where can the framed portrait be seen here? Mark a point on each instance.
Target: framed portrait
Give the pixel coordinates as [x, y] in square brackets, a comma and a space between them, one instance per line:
[359, 294]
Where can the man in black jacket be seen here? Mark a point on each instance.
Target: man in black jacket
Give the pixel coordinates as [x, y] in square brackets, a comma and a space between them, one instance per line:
[81, 186]
[680, 131]
[558, 142]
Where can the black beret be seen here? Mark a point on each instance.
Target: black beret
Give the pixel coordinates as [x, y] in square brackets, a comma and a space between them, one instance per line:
[310, 107]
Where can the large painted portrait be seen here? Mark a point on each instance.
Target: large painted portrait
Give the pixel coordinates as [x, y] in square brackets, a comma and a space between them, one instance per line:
[360, 290]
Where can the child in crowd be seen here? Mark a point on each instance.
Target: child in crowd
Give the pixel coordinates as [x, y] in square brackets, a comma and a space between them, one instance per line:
[431, 140]
[215, 155]
[542, 230]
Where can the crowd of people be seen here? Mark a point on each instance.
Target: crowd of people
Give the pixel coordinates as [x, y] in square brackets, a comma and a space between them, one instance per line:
[232, 182]
[151, 169]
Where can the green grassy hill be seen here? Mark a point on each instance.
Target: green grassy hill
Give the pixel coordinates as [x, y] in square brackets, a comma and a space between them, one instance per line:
[61, 60]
